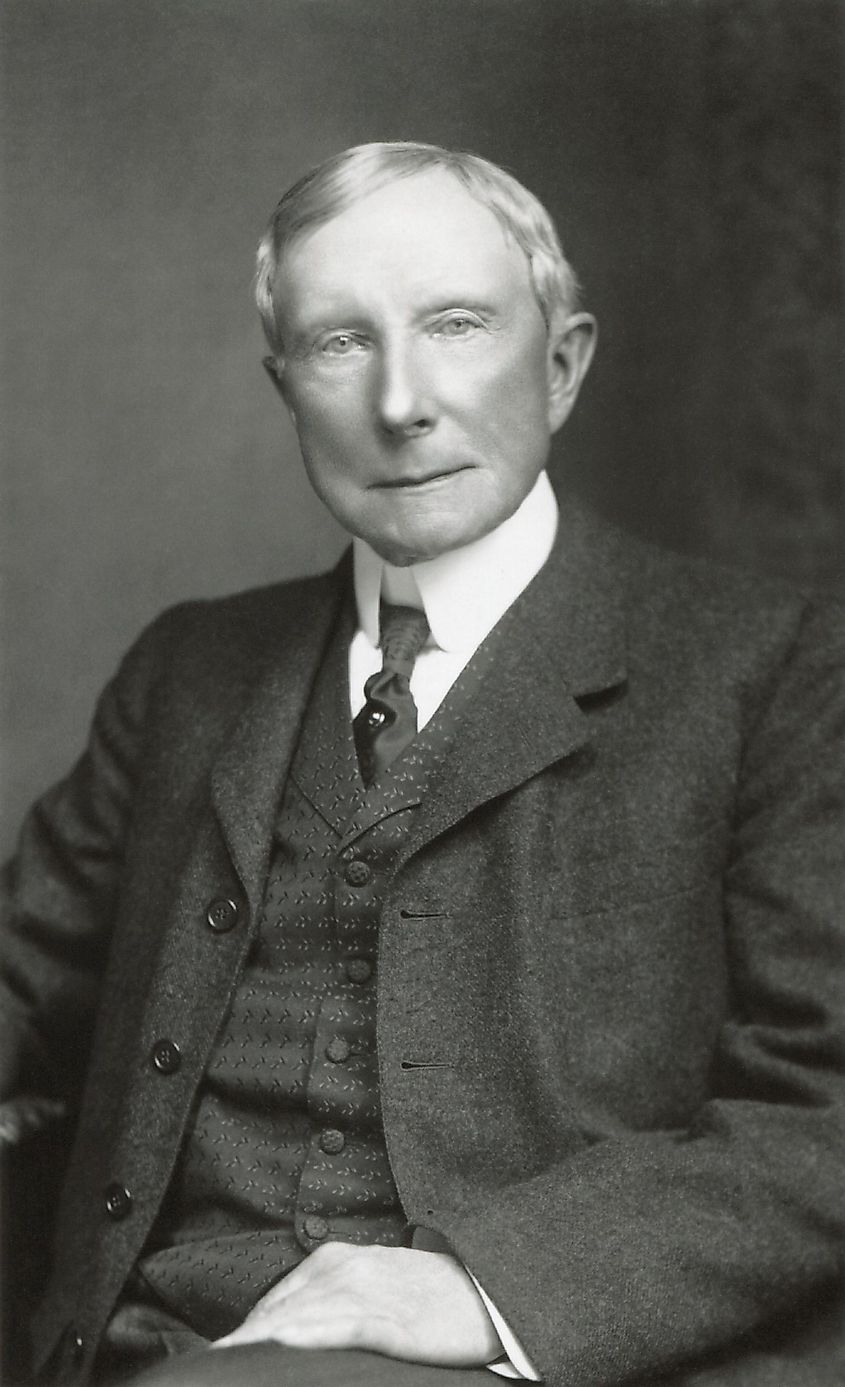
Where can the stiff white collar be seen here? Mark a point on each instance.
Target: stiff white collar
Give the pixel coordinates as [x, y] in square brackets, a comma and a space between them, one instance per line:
[465, 592]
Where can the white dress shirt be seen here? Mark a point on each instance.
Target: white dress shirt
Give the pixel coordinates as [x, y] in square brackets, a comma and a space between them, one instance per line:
[463, 594]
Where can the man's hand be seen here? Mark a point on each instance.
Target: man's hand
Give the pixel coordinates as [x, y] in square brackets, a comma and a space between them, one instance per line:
[419, 1306]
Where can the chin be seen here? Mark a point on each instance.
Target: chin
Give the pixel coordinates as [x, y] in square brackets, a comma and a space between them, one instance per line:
[401, 553]
[417, 548]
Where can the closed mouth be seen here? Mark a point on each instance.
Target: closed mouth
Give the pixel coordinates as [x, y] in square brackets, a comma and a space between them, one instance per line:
[409, 483]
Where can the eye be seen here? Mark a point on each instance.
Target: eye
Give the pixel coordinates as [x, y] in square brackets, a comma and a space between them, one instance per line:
[340, 344]
[458, 326]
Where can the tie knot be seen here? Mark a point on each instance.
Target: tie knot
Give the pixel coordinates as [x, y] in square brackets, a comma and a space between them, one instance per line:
[404, 631]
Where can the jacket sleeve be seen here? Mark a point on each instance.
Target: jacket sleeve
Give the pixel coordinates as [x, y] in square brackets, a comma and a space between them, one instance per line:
[59, 895]
[658, 1248]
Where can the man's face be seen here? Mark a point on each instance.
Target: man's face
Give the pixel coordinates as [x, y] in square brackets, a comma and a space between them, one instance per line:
[417, 367]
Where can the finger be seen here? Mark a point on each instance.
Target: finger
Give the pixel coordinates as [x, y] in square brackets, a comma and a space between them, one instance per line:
[309, 1327]
[244, 1334]
[266, 1317]
[259, 1324]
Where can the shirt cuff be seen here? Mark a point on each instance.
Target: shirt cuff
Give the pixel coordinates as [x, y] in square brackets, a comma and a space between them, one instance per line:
[516, 1363]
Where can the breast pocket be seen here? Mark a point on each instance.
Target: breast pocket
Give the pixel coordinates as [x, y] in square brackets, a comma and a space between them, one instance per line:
[636, 874]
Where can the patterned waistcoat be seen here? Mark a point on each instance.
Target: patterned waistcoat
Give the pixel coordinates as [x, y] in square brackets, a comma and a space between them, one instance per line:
[286, 1146]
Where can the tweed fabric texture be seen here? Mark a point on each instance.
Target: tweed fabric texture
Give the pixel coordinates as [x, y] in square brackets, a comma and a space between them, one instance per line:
[286, 1147]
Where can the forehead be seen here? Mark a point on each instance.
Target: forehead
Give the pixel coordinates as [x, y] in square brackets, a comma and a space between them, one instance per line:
[418, 234]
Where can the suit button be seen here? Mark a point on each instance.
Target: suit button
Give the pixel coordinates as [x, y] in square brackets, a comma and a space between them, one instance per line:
[166, 1056]
[359, 970]
[357, 873]
[118, 1202]
[337, 1050]
[315, 1227]
[222, 916]
[332, 1141]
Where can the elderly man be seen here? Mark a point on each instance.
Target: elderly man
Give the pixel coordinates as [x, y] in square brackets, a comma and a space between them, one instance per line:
[454, 941]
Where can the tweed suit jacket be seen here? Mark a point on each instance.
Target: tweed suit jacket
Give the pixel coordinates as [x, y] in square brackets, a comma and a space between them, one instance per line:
[610, 976]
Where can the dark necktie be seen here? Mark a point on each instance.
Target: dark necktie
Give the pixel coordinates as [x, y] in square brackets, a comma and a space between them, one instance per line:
[388, 720]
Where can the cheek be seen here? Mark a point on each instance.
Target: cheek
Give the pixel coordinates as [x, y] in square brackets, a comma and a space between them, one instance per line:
[510, 392]
[329, 426]
[511, 413]
[321, 395]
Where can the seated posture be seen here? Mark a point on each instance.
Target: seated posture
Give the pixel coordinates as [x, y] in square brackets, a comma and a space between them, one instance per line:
[440, 961]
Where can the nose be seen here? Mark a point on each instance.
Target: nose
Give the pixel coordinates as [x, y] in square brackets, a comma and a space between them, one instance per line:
[403, 405]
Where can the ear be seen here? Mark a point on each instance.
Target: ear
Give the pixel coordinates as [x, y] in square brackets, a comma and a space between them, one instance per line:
[570, 351]
[275, 368]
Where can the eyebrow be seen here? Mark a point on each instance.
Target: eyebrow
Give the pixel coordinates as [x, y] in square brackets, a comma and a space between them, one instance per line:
[474, 305]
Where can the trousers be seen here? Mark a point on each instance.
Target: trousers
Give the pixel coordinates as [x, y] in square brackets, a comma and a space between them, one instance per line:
[148, 1347]
[273, 1365]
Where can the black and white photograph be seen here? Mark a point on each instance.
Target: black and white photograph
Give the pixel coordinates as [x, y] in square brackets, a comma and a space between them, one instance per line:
[422, 750]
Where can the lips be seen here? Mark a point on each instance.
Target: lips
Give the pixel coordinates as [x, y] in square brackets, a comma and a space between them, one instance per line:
[409, 483]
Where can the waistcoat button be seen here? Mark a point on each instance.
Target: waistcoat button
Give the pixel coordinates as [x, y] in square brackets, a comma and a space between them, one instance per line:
[166, 1056]
[337, 1050]
[118, 1201]
[332, 1141]
[357, 873]
[359, 970]
[222, 915]
[315, 1227]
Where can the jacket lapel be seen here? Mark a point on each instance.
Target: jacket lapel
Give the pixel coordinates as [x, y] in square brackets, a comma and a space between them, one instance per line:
[563, 639]
[248, 776]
